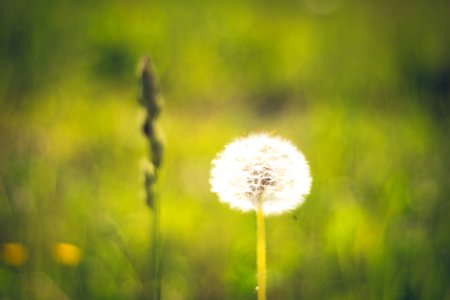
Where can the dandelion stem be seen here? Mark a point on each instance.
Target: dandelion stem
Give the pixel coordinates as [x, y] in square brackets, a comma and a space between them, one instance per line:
[261, 250]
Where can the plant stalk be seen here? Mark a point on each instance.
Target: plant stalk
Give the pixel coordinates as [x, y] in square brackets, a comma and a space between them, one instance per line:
[261, 250]
[156, 255]
[152, 101]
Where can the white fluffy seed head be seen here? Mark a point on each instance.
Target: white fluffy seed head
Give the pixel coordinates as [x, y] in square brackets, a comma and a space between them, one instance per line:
[262, 168]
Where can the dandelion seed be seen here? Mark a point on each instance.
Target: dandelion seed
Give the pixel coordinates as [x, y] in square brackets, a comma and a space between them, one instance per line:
[261, 168]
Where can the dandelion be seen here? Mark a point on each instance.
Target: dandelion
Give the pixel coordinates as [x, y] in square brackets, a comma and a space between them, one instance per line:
[261, 166]
[14, 254]
[263, 173]
[67, 254]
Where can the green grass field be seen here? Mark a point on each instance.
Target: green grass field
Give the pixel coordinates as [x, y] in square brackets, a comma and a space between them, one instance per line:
[362, 88]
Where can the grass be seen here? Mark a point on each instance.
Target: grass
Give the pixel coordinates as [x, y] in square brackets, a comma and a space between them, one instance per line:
[361, 91]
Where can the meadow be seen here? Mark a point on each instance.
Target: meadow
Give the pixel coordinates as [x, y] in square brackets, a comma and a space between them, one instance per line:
[360, 87]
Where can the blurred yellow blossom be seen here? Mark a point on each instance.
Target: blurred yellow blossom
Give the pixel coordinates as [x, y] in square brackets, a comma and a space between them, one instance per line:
[14, 254]
[66, 254]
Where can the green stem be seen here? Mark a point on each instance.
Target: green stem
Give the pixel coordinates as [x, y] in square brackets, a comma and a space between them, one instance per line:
[261, 251]
[156, 262]
[152, 101]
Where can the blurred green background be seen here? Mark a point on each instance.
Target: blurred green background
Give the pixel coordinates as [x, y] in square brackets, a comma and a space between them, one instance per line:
[361, 87]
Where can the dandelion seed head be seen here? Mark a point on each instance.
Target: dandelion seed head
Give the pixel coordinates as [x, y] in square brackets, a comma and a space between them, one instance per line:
[262, 168]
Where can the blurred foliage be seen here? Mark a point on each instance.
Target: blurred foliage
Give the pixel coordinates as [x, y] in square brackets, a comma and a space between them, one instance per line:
[361, 87]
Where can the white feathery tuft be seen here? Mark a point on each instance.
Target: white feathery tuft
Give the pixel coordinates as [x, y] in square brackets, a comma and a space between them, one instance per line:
[262, 168]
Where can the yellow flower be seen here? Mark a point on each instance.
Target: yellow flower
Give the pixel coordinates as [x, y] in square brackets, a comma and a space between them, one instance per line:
[14, 254]
[66, 254]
